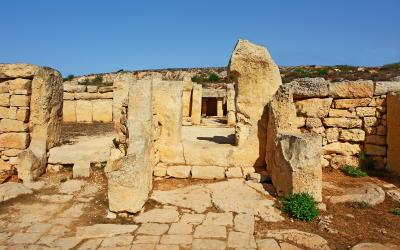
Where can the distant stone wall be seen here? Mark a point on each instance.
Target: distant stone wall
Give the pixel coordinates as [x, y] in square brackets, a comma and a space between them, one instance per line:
[350, 116]
[87, 103]
[30, 117]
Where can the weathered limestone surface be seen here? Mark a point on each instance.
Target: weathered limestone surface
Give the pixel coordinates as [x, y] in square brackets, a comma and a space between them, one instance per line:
[121, 88]
[382, 88]
[102, 110]
[309, 87]
[84, 111]
[11, 190]
[130, 178]
[186, 96]
[17, 70]
[368, 192]
[230, 105]
[167, 105]
[45, 123]
[351, 89]
[69, 111]
[253, 69]
[314, 107]
[196, 104]
[393, 136]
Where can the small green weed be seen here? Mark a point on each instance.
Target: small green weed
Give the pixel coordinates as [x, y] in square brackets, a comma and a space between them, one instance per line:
[68, 78]
[353, 171]
[300, 206]
[395, 211]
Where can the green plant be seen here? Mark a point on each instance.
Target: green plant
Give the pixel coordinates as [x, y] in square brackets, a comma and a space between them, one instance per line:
[322, 72]
[391, 66]
[300, 206]
[366, 161]
[395, 211]
[353, 171]
[212, 77]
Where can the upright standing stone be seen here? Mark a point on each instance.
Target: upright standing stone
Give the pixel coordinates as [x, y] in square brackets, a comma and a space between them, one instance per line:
[393, 132]
[130, 178]
[220, 108]
[230, 104]
[196, 104]
[46, 107]
[167, 105]
[187, 96]
[121, 88]
[257, 79]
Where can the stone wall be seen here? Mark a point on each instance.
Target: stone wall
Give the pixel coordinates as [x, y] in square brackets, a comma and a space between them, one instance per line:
[350, 116]
[30, 117]
[87, 103]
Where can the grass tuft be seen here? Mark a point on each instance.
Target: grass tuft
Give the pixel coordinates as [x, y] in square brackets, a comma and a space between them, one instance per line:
[353, 171]
[301, 206]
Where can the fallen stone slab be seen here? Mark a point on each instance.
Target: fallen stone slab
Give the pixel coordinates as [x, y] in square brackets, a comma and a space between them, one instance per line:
[12, 190]
[71, 186]
[304, 239]
[104, 230]
[164, 215]
[368, 193]
[374, 246]
[196, 198]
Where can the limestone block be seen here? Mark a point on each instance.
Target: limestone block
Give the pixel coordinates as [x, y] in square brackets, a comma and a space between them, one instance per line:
[196, 104]
[69, 111]
[22, 115]
[375, 139]
[230, 104]
[14, 140]
[130, 178]
[167, 105]
[81, 169]
[102, 110]
[5, 99]
[314, 107]
[332, 134]
[257, 80]
[121, 88]
[8, 125]
[234, 172]
[309, 87]
[351, 89]
[68, 96]
[74, 88]
[92, 89]
[160, 170]
[297, 164]
[366, 111]
[17, 70]
[342, 122]
[371, 149]
[106, 89]
[370, 121]
[106, 95]
[85, 96]
[342, 148]
[4, 112]
[179, 171]
[352, 103]
[339, 161]
[12, 112]
[32, 162]
[352, 135]
[381, 130]
[20, 84]
[84, 111]
[12, 152]
[19, 100]
[342, 113]
[4, 88]
[4, 166]
[382, 88]
[208, 172]
[220, 110]
[313, 122]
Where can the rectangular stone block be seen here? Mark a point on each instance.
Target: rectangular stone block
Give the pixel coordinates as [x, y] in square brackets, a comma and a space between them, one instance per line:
[351, 89]
[314, 107]
[17, 70]
[102, 110]
[4, 87]
[393, 132]
[20, 100]
[69, 111]
[342, 113]
[352, 103]
[366, 111]
[85, 96]
[20, 84]
[22, 115]
[4, 112]
[14, 140]
[371, 149]
[74, 88]
[84, 111]
[196, 104]
[343, 122]
[106, 95]
[106, 89]
[68, 96]
[8, 125]
[208, 172]
[375, 139]
[352, 135]
[92, 89]
[5, 99]
[382, 88]
[179, 171]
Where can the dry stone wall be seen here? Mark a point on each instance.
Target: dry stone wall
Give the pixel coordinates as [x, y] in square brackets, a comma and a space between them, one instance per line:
[351, 117]
[87, 103]
[30, 117]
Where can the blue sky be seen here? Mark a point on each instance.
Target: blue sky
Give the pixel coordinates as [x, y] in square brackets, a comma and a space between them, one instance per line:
[91, 36]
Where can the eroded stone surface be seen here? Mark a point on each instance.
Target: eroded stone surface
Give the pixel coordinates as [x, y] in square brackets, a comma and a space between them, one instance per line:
[304, 239]
[369, 193]
[11, 190]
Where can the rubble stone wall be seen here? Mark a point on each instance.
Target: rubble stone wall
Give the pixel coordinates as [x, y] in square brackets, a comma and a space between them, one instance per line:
[30, 117]
[351, 117]
[87, 103]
